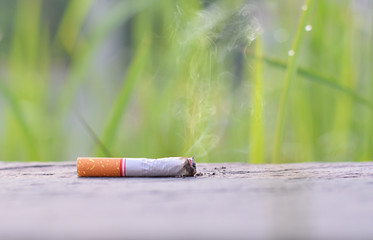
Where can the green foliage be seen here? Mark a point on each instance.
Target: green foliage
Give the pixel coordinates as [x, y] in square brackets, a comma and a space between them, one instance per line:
[209, 79]
[294, 54]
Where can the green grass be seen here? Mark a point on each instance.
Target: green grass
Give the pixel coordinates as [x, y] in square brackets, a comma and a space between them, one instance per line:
[120, 105]
[256, 137]
[294, 53]
[211, 80]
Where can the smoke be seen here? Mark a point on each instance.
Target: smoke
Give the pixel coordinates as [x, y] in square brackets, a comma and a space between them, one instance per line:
[241, 29]
[219, 27]
[207, 39]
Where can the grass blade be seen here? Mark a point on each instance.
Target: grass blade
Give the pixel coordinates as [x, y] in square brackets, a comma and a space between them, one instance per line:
[290, 72]
[125, 92]
[120, 13]
[367, 151]
[19, 116]
[93, 134]
[322, 79]
[256, 136]
[71, 23]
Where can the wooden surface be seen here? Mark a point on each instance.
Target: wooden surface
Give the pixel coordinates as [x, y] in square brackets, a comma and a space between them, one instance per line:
[226, 201]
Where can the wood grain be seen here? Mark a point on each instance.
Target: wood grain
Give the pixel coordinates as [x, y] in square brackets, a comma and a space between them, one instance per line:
[224, 201]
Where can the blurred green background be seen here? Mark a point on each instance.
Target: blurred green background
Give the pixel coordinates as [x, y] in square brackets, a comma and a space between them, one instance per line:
[247, 81]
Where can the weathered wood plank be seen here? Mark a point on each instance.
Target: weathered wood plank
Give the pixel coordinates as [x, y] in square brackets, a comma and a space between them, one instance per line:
[226, 201]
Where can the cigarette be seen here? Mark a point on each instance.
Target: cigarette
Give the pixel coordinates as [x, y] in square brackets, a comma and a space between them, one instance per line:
[135, 167]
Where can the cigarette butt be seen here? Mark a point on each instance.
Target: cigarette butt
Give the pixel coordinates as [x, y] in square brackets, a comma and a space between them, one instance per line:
[135, 167]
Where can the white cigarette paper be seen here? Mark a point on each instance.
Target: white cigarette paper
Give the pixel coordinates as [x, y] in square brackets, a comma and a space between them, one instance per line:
[162, 167]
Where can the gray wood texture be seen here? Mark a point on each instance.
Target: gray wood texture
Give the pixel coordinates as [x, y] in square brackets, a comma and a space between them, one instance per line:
[224, 201]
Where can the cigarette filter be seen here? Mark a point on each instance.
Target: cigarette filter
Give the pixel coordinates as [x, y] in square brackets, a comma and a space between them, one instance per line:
[135, 167]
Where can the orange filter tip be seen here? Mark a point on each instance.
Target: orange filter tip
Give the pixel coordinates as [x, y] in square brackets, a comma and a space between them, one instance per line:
[98, 167]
